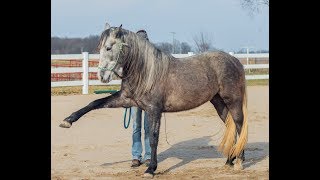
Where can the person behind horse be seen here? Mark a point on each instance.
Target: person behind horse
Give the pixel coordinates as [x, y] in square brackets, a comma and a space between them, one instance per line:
[136, 135]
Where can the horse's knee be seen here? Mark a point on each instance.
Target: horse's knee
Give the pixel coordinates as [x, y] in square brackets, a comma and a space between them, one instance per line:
[154, 138]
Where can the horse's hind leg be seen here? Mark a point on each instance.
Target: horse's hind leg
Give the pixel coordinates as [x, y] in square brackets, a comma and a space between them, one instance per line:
[220, 106]
[222, 110]
[236, 111]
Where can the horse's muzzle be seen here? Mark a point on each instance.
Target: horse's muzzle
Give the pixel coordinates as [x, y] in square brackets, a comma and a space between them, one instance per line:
[105, 76]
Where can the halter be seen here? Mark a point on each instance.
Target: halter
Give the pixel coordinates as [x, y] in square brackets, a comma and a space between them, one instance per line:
[117, 60]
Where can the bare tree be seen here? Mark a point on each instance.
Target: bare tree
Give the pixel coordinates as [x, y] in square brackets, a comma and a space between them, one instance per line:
[185, 48]
[176, 47]
[74, 45]
[266, 2]
[164, 46]
[202, 42]
[253, 5]
[91, 43]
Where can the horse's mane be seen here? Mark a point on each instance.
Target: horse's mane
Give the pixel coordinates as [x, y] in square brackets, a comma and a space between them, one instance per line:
[146, 65]
[103, 36]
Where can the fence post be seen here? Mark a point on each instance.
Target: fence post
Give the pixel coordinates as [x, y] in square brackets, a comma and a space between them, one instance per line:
[85, 74]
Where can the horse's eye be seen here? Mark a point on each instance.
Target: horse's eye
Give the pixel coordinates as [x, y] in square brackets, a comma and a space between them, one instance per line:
[109, 48]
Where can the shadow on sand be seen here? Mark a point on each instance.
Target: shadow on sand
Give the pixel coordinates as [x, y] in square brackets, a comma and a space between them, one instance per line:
[199, 148]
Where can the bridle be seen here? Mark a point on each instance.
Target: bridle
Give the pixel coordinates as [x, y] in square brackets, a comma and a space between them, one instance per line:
[120, 45]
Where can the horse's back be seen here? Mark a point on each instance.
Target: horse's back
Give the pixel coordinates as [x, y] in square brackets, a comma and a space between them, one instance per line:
[195, 80]
[219, 61]
[218, 66]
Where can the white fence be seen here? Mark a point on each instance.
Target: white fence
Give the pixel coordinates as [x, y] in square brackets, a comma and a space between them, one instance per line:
[85, 69]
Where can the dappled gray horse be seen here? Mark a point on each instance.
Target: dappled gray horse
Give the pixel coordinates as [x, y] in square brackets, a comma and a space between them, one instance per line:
[157, 82]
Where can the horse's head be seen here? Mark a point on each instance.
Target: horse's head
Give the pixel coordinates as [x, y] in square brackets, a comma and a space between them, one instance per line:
[111, 49]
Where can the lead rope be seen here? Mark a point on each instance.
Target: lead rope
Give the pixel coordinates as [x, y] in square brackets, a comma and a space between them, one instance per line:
[125, 117]
[165, 128]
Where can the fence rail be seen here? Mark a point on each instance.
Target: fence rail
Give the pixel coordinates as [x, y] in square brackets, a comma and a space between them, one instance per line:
[85, 69]
[80, 83]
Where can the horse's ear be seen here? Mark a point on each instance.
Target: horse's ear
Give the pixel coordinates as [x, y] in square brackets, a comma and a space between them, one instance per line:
[118, 31]
[107, 26]
[143, 34]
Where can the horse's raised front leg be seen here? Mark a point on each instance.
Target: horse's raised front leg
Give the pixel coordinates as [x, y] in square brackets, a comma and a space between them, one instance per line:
[113, 101]
[154, 117]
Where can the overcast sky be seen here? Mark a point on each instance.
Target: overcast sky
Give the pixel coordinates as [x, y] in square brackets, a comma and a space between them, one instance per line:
[228, 24]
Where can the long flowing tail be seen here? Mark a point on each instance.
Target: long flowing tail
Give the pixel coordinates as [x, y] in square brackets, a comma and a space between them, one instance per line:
[227, 145]
[229, 135]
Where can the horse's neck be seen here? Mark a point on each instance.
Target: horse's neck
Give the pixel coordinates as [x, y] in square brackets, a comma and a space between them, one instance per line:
[150, 47]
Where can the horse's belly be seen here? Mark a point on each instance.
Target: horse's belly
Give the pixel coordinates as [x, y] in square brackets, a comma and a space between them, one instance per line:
[175, 103]
[188, 87]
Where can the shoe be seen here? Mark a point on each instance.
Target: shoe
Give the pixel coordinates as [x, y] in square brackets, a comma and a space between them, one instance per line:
[147, 162]
[135, 163]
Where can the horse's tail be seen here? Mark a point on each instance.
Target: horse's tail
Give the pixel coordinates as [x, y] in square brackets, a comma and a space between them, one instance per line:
[243, 137]
[227, 145]
[229, 135]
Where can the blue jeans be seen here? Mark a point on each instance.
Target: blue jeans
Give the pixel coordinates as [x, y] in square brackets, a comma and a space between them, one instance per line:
[136, 135]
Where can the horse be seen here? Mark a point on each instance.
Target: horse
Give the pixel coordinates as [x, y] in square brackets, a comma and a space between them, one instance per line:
[157, 82]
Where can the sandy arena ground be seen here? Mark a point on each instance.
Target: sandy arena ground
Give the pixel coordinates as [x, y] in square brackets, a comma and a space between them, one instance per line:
[99, 147]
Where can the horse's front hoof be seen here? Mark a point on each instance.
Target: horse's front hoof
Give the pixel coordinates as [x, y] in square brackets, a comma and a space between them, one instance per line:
[148, 175]
[65, 124]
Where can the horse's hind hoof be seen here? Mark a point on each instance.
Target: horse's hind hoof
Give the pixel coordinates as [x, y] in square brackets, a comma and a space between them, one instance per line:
[148, 175]
[65, 124]
[238, 165]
